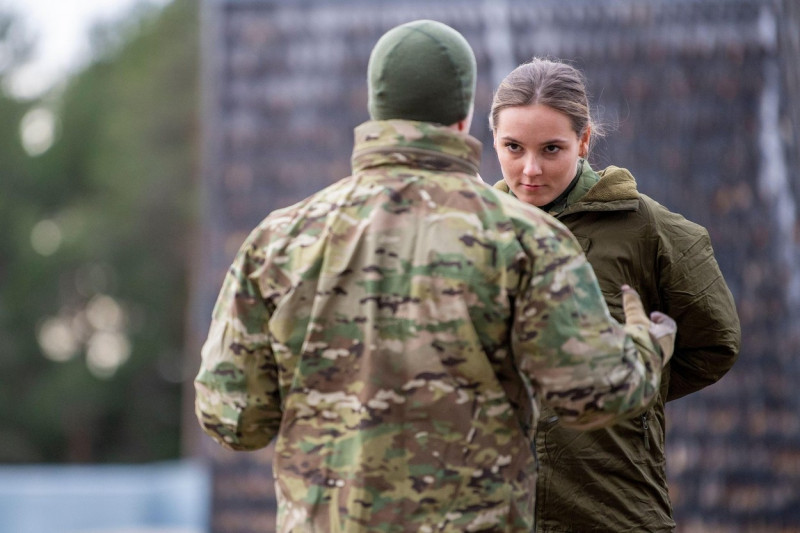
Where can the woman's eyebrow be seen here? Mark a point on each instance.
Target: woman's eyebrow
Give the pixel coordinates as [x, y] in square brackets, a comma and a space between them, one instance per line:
[556, 140]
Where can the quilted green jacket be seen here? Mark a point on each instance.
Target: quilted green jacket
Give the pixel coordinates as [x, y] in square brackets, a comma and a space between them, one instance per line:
[614, 479]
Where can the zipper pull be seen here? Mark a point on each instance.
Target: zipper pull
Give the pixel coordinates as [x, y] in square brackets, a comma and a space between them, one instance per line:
[646, 429]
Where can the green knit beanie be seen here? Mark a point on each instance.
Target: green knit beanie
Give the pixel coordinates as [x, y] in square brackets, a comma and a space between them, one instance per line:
[422, 70]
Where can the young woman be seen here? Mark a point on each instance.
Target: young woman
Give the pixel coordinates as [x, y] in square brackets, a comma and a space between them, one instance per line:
[611, 479]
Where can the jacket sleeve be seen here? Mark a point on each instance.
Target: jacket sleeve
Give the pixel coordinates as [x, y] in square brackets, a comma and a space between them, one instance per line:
[237, 391]
[580, 361]
[694, 293]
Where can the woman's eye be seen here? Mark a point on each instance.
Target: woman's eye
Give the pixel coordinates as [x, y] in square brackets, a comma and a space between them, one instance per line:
[513, 147]
[551, 149]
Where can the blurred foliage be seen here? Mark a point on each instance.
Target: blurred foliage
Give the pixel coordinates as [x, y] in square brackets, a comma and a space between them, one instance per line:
[117, 193]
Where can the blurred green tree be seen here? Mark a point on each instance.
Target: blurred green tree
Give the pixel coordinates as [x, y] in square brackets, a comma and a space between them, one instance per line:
[15, 186]
[94, 269]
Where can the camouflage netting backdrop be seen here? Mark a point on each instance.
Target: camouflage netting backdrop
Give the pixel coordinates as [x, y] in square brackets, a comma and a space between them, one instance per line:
[702, 101]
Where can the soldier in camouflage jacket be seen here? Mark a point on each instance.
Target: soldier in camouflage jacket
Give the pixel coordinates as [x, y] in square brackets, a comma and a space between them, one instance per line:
[396, 333]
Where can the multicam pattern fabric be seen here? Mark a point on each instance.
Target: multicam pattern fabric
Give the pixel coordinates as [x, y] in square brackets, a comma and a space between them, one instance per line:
[397, 332]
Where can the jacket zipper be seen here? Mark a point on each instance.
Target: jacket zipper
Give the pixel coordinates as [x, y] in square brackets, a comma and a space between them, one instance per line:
[646, 429]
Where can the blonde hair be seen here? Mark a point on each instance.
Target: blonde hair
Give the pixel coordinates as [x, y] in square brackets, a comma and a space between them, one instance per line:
[547, 82]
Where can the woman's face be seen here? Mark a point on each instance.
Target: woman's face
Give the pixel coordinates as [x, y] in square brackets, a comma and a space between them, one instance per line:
[538, 151]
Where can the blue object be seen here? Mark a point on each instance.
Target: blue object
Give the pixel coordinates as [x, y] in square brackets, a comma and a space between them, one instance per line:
[171, 497]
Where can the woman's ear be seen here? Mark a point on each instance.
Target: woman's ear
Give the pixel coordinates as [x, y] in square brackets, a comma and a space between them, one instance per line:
[583, 146]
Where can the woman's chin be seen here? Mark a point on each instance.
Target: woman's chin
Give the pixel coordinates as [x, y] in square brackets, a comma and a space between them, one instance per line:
[534, 199]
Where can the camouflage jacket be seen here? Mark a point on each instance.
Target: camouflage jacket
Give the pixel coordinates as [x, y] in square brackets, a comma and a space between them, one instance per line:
[396, 333]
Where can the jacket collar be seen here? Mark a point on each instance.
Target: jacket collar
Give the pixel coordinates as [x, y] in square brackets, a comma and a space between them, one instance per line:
[611, 189]
[422, 145]
[571, 194]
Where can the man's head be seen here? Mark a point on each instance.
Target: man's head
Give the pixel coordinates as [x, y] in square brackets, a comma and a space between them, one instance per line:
[422, 70]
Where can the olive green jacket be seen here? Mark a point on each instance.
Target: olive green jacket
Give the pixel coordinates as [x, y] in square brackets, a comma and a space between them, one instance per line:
[614, 479]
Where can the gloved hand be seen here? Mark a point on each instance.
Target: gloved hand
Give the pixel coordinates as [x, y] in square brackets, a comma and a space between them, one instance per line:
[662, 328]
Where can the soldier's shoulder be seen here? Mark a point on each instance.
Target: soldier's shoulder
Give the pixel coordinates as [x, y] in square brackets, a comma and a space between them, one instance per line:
[311, 206]
[530, 218]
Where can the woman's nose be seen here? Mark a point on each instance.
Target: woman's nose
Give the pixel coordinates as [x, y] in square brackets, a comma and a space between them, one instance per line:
[532, 167]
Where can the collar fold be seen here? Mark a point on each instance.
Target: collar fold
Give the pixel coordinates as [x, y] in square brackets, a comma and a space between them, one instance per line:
[414, 144]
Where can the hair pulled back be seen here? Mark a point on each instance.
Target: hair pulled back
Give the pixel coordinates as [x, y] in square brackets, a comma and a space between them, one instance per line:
[553, 83]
